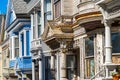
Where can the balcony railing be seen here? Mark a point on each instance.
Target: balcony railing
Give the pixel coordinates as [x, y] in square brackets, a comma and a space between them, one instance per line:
[36, 44]
[24, 63]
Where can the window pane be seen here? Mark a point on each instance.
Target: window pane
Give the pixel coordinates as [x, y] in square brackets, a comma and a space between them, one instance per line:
[115, 43]
[39, 17]
[16, 52]
[71, 61]
[90, 67]
[89, 46]
[16, 42]
[39, 30]
[47, 68]
[57, 9]
[47, 5]
[71, 66]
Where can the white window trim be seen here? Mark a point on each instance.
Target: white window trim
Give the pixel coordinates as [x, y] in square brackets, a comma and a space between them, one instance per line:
[13, 47]
[20, 44]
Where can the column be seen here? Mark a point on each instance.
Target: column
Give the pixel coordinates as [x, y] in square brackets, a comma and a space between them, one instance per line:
[32, 19]
[52, 65]
[33, 69]
[63, 51]
[42, 16]
[58, 66]
[40, 66]
[24, 43]
[108, 47]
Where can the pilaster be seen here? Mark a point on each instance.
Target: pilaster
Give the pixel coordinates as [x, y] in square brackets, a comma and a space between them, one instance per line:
[63, 51]
[53, 65]
[40, 66]
[33, 69]
[82, 56]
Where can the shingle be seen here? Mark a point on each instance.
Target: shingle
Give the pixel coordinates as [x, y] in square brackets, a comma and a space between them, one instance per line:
[20, 6]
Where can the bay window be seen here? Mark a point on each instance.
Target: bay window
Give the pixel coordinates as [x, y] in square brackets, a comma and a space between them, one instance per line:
[36, 24]
[14, 47]
[24, 43]
[89, 56]
[48, 10]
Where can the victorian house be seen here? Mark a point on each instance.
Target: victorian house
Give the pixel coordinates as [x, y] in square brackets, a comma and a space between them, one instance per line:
[17, 60]
[84, 39]
[40, 11]
[2, 25]
[67, 39]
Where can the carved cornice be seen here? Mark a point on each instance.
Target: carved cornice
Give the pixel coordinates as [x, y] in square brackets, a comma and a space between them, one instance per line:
[88, 15]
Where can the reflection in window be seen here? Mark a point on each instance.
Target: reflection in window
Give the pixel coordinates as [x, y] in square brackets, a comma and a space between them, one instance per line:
[71, 66]
[57, 4]
[39, 23]
[89, 48]
[47, 68]
[16, 47]
[115, 43]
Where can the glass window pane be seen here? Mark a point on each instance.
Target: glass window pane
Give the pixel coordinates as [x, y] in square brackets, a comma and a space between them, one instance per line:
[71, 61]
[16, 42]
[47, 68]
[115, 43]
[90, 67]
[39, 17]
[16, 52]
[39, 30]
[89, 46]
[71, 66]
[57, 9]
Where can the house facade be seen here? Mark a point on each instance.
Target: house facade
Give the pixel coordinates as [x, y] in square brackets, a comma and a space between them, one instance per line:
[83, 37]
[17, 33]
[40, 12]
[2, 25]
[61, 40]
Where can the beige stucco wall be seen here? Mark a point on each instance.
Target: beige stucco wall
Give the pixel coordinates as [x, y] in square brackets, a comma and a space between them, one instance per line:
[67, 7]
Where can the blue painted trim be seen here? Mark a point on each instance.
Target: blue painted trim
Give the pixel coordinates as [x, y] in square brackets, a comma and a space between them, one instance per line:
[27, 43]
[22, 40]
[11, 63]
[24, 63]
[19, 21]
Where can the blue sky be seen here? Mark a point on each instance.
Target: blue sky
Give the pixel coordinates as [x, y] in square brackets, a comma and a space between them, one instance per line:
[3, 6]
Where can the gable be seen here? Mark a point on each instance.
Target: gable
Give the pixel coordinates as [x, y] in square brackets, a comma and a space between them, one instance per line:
[11, 16]
[49, 33]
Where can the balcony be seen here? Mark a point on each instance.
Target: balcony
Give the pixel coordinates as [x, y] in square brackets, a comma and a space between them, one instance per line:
[12, 63]
[35, 44]
[86, 7]
[32, 4]
[24, 63]
[8, 72]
